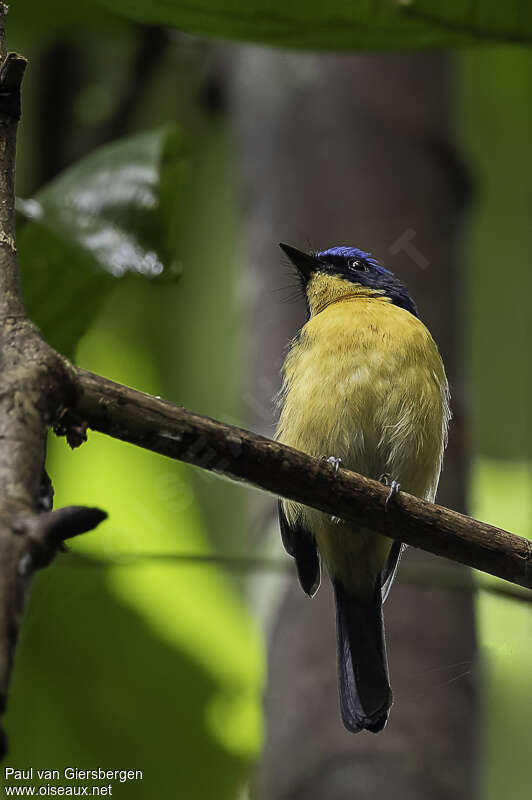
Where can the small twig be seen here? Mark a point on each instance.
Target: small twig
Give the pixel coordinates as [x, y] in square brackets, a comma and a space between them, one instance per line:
[244, 456]
[45, 533]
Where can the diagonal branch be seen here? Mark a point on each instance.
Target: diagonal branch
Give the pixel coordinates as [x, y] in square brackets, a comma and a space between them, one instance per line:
[244, 456]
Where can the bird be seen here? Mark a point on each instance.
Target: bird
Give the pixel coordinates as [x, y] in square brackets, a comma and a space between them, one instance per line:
[364, 387]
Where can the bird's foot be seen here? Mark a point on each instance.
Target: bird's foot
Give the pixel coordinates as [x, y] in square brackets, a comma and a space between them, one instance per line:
[394, 488]
[333, 461]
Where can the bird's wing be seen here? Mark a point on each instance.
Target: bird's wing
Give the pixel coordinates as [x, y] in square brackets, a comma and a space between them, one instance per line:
[299, 543]
[389, 571]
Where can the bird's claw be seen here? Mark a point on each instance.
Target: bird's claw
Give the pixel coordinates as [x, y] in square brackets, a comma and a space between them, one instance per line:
[394, 488]
[333, 461]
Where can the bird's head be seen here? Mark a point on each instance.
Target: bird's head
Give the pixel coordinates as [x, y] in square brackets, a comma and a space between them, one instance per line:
[331, 275]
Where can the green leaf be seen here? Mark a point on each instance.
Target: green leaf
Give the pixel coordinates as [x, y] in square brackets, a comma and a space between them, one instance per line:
[103, 218]
[341, 24]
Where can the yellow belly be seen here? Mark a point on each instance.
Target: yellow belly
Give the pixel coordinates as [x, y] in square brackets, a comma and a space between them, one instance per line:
[364, 382]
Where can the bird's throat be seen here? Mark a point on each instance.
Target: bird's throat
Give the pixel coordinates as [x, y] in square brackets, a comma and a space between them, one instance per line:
[325, 290]
[346, 298]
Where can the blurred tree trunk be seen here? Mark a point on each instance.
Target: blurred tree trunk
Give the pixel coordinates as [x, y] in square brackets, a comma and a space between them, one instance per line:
[358, 150]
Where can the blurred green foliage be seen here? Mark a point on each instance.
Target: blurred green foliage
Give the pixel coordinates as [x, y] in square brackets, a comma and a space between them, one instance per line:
[129, 657]
[341, 24]
[494, 117]
[147, 660]
[40, 23]
[495, 125]
[199, 339]
[500, 494]
[102, 218]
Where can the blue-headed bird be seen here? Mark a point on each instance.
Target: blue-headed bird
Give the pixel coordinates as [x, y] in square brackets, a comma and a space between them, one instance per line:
[365, 386]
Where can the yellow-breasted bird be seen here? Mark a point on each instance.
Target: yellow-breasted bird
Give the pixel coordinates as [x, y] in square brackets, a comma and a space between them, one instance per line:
[364, 383]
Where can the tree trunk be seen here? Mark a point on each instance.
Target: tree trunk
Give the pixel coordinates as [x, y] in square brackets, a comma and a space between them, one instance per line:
[357, 150]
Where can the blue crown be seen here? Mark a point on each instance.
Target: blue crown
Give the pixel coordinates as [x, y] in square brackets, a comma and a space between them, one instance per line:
[352, 252]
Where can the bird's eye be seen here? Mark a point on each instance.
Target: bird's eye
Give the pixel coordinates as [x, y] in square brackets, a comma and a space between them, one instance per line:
[357, 263]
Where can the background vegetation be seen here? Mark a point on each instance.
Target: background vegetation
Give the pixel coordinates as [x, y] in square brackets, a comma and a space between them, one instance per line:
[139, 649]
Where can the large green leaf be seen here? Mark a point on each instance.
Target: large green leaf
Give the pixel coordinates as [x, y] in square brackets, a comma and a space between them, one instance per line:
[103, 218]
[341, 24]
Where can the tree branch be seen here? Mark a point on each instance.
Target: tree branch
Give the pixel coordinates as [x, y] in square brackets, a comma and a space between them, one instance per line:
[36, 383]
[173, 431]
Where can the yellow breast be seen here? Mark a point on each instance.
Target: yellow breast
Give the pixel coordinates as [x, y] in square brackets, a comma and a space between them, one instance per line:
[365, 382]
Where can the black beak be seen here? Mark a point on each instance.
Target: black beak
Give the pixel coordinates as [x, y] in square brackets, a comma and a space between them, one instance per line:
[305, 264]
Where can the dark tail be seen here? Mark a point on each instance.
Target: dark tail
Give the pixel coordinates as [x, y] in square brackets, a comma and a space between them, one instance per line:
[365, 693]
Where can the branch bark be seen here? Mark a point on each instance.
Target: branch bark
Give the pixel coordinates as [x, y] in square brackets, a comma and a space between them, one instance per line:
[172, 431]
